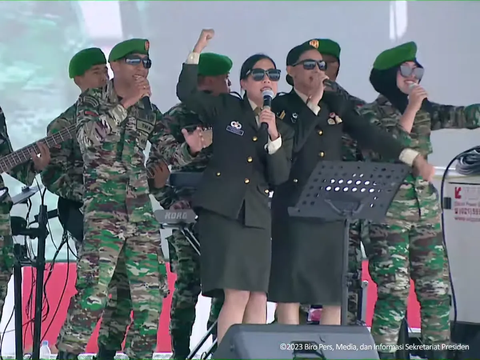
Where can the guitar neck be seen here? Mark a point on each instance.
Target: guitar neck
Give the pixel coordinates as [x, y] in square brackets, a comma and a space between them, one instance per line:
[23, 155]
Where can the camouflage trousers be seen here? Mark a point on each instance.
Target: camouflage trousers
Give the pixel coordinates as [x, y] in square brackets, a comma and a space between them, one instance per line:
[117, 314]
[398, 253]
[186, 264]
[6, 267]
[107, 239]
[357, 231]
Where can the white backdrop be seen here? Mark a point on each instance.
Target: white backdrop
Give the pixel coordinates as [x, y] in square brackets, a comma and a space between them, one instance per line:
[34, 87]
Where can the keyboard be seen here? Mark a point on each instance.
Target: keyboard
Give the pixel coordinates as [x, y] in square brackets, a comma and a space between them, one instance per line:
[172, 217]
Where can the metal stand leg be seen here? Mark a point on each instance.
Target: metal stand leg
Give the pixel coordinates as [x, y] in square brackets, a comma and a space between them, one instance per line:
[345, 275]
[196, 246]
[17, 285]
[403, 339]
[39, 291]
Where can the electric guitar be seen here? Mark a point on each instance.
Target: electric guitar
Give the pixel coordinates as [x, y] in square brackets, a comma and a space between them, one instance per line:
[21, 156]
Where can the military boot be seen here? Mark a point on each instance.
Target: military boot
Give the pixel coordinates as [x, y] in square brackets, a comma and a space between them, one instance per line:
[180, 346]
[105, 354]
[63, 355]
[386, 356]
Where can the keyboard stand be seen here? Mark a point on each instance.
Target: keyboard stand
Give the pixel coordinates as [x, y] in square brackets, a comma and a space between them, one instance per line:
[183, 220]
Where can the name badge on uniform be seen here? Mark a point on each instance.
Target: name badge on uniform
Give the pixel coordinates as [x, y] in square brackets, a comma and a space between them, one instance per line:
[235, 128]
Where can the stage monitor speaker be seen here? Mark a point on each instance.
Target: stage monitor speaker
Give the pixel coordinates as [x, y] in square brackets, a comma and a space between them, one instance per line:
[276, 341]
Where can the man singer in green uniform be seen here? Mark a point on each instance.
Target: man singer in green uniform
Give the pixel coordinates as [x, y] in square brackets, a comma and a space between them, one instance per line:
[64, 178]
[113, 128]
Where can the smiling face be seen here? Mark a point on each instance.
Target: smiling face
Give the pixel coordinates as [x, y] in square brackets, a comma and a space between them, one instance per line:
[132, 66]
[408, 73]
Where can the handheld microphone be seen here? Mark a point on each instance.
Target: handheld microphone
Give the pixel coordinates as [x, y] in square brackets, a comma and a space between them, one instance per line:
[267, 104]
[147, 104]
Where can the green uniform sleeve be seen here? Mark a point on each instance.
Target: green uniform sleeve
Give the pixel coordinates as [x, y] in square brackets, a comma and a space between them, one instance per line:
[388, 123]
[166, 196]
[64, 176]
[455, 117]
[345, 94]
[166, 147]
[25, 172]
[97, 125]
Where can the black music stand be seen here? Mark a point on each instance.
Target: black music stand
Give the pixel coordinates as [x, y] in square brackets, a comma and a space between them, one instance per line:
[348, 191]
[19, 228]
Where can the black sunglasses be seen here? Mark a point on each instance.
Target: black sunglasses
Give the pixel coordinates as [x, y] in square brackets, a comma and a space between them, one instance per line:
[407, 71]
[137, 60]
[310, 64]
[259, 74]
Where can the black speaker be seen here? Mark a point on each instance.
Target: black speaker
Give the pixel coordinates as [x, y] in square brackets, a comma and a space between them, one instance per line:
[274, 341]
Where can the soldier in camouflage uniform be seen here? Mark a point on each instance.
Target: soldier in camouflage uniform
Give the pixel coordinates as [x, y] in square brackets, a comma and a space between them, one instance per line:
[26, 174]
[113, 128]
[64, 178]
[410, 244]
[213, 77]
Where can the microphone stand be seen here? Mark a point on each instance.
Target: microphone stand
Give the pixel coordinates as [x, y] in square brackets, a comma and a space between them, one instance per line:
[19, 227]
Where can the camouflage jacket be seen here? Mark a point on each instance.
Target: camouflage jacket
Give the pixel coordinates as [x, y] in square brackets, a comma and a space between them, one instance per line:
[114, 165]
[351, 151]
[64, 175]
[175, 119]
[416, 198]
[24, 173]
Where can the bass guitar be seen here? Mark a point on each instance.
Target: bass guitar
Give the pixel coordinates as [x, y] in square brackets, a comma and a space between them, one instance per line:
[8, 162]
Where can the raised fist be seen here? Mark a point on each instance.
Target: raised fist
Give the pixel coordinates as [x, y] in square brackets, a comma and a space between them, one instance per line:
[205, 36]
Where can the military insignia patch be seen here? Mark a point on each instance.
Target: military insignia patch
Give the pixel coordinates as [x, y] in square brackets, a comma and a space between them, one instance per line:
[235, 128]
[331, 121]
[147, 45]
[314, 43]
[282, 115]
[338, 119]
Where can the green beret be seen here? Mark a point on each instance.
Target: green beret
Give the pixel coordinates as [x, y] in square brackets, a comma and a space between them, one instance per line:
[127, 47]
[85, 60]
[211, 64]
[328, 47]
[323, 46]
[396, 56]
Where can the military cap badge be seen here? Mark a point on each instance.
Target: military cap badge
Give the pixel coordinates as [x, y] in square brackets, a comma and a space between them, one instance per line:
[147, 45]
[314, 43]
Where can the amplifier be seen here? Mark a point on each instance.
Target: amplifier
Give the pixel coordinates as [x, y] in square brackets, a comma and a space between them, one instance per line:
[275, 341]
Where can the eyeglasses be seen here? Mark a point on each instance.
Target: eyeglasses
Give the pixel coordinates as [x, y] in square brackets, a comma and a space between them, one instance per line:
[259, 74]
[407, 71]
[137, 60]
[310, 64]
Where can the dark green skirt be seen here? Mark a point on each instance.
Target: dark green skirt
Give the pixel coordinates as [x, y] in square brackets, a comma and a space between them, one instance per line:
[233, 256]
